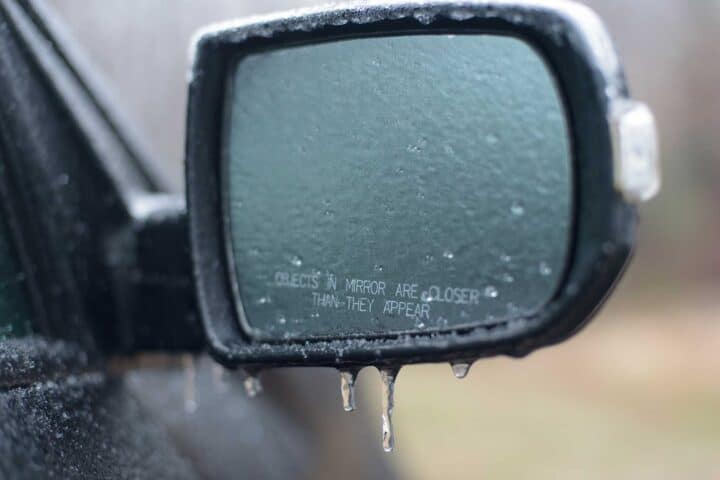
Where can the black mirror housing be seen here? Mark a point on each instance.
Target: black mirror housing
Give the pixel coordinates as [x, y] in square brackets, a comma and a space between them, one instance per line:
[613, 154]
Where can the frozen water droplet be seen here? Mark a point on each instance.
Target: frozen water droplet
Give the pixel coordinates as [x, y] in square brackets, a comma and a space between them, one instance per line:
[460, 369]
[378, 268]
[388, 376]
[424, 17]
[418, 146]
[347, 389]
[252, 384]
[264, 300]
[518, 209]
[419, 323]
[296, 261]
[491, 292]
[188, 363]
[448, 254]
[281, 319]
[218, 378]
[544, 269]
[426, 297]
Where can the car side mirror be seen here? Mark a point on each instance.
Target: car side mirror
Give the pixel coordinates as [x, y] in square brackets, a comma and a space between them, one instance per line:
[413, 182]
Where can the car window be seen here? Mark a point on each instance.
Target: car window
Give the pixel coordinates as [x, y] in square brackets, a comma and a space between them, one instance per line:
[15, 310]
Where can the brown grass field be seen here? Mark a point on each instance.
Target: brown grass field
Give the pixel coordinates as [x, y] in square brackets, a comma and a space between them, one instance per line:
[634, 396]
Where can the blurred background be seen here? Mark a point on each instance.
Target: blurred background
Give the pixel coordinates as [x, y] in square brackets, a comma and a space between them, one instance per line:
[634, 396]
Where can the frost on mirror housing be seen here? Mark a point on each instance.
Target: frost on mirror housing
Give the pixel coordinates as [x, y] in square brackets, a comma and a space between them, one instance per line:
[400, 183]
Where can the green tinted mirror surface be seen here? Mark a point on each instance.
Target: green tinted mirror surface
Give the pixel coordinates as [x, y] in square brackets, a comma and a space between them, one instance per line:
[395, 184]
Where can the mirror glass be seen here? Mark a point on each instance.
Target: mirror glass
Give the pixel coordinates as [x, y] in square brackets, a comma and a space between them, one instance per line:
[395, 184]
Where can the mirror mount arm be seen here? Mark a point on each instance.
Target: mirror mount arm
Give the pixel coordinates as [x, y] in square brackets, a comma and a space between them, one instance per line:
[152, 281]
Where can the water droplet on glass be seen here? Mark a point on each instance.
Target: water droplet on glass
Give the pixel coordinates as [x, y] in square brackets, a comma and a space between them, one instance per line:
[460, 369]
[378, 268]
[252, 385]
[188, 363]
[400, 170]
[347, 389]
[491, 139]
[426, 297]
[418, 146]
[388, 376]
[517, 209]
[491, 292]
[505, 258]
[428, 259]
[296, 261]
[254, 252]
[281, 319]
[448, 254]
[507, 278]
[544, 269]
[264, 300]
[419, 323]
[442, 322]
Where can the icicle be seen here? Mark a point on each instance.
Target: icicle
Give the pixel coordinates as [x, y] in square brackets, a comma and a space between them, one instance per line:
[460, 369]
[388, 376]
[188, 362]
[252, 384]
[218, 378]
[347, 389]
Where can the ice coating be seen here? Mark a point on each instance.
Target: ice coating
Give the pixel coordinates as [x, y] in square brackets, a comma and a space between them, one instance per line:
[381, 187]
